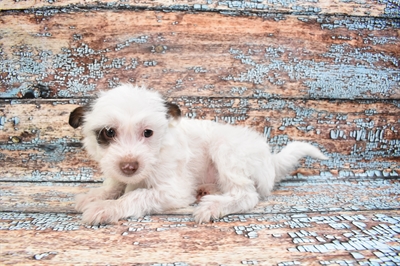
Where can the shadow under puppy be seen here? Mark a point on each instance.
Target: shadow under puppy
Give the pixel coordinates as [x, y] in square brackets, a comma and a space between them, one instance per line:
[155, 160]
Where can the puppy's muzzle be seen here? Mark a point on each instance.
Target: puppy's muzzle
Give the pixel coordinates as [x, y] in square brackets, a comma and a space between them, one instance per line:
[128, 168]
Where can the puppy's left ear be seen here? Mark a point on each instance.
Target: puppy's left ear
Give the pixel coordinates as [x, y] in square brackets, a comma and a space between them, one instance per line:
[76, 117]
[173, 112]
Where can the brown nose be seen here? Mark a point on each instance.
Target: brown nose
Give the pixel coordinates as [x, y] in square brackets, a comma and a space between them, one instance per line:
[128, 168]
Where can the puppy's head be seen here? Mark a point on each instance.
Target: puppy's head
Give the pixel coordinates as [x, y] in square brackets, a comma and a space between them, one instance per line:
[125, 129]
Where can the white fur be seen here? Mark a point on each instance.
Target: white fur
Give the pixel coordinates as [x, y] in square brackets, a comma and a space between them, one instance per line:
[181, 156]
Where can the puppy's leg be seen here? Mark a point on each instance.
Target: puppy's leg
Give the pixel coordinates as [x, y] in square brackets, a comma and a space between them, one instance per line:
[111, 189]
[216, 206]
[238, 194]
[235, 168]
[134, 203]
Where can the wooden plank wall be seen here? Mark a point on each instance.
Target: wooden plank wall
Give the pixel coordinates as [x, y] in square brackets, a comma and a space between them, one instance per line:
[324, 72]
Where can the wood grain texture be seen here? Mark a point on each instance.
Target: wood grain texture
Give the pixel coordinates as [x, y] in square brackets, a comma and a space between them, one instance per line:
[324, 72]
[47, 120]
[360, 137]
[289, 196]
[199, 54]
[369, 8]
[309, 239]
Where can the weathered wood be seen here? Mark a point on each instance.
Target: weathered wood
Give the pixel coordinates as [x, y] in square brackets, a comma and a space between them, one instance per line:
[324, 72]
[47, 120]
[199, 54]
[370, 8]
[58, 162]
[360, 137]
[341, 238]
[290, 196]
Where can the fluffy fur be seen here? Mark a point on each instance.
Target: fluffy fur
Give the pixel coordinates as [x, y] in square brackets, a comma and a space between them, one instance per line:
[154, 160]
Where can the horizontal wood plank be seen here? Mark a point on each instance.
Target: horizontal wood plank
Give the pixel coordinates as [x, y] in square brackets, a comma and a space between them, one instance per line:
[370, 8]
[267, 239]
[47, 120]
[199, 54]
[360, 137]
[290, 196]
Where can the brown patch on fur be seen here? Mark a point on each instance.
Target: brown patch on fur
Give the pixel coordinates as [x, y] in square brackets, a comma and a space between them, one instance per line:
[103, 138]
[76, 117]
[173, 111]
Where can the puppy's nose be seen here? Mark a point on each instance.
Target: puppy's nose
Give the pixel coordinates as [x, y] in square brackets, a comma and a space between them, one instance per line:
[128, 168]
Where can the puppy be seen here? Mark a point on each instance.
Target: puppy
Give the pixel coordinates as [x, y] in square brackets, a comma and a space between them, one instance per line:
[154, 160]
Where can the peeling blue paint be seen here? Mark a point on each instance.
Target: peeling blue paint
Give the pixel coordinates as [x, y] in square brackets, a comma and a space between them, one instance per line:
[350, 73]
[392, 8]
[303, 200]
[2, 121]
[83, 174]
[72, 68]
[51, 151]
[358, 23]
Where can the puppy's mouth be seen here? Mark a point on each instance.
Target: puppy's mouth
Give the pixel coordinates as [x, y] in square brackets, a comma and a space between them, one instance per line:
[129, 168]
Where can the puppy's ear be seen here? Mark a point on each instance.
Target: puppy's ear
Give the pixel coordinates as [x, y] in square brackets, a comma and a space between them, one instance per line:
[76, 117]
[173, 111]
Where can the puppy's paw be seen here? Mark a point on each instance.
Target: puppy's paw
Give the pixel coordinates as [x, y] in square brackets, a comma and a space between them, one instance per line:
[208, 209]
[82, 200]
[101, 212]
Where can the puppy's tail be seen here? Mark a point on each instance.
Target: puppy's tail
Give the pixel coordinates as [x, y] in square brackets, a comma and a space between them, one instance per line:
[286, 160]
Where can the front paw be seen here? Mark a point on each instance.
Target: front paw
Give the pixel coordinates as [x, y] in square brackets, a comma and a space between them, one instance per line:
[208, 209]
[101, 212]
[82, 200]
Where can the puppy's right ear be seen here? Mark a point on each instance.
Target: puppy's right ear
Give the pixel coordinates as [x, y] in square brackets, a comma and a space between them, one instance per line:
[76, 117]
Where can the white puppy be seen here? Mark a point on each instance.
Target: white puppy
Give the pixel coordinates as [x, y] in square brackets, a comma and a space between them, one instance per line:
[155, 160]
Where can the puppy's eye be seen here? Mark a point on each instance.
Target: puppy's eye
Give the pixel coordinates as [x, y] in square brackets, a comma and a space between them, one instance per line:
[105, 135]
[147, 133]
[108, 133]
